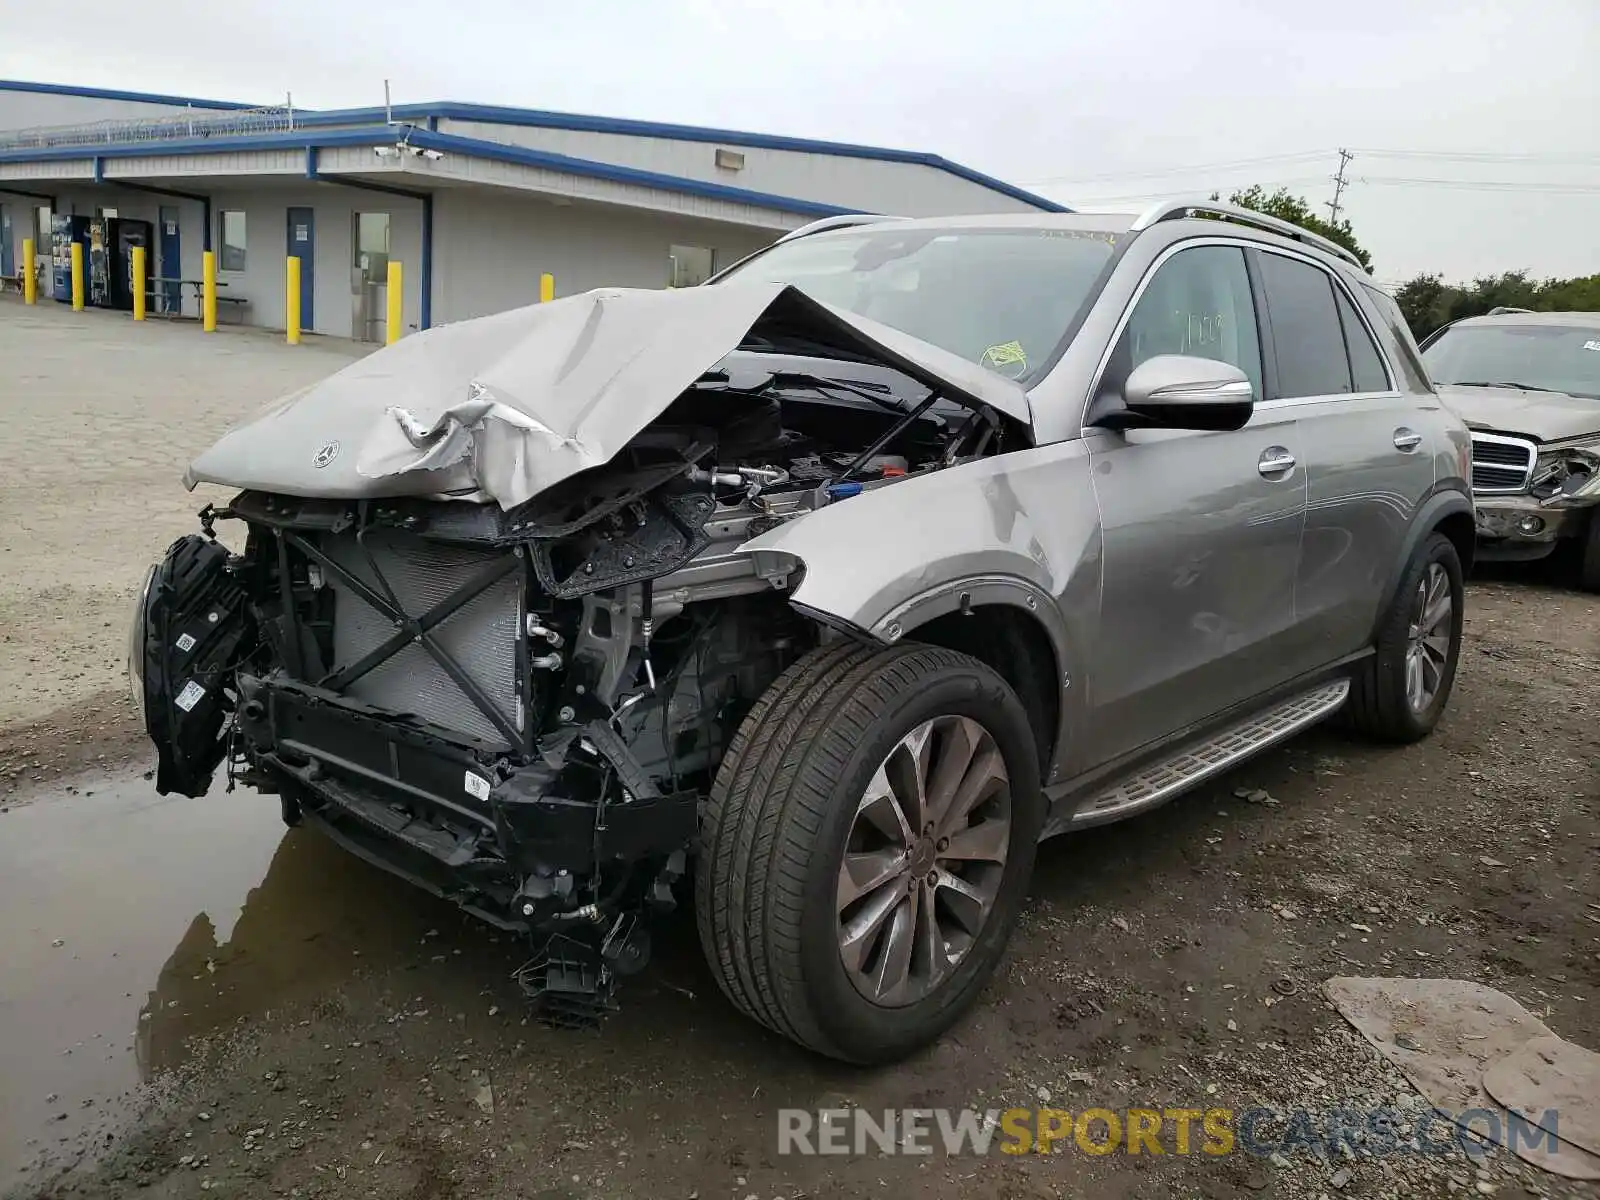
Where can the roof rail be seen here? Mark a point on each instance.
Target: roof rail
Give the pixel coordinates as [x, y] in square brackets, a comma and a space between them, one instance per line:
[838, 222]
[1504, 308]
[1172, 210]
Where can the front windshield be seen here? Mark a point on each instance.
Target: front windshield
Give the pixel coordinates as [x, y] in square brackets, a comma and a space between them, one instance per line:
[1554, 358]
[1000, 297]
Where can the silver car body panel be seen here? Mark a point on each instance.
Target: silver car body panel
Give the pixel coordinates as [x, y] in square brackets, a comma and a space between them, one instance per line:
[503, 407]
[1022, 529]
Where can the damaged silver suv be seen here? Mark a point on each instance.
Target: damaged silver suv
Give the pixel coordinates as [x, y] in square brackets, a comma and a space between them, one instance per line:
[835, 584]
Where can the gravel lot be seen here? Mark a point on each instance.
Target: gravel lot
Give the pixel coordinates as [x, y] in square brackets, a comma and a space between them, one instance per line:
[232, 1010]
[101, 416]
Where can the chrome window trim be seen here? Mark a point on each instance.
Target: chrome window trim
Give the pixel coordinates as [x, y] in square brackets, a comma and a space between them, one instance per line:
[1332, 398]
[1528, 444]
[1240, 244]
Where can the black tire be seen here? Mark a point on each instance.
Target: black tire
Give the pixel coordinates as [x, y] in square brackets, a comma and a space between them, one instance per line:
[1589, 562]
[780, 814]
[1378, 707]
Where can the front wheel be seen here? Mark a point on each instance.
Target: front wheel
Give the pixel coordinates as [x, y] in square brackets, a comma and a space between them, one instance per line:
[1399, 694]
[867, 847]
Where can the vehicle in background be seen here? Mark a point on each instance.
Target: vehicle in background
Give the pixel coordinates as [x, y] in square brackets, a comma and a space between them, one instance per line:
[1528, 386]
[839, 581]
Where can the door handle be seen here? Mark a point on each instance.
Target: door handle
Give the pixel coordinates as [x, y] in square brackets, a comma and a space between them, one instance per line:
[1407, 439]
[1275, 462]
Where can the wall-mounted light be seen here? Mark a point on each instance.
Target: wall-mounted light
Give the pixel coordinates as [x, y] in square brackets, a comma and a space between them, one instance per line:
[730, 160]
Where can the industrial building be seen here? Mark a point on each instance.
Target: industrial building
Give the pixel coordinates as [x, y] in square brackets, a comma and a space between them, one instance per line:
[476, 201]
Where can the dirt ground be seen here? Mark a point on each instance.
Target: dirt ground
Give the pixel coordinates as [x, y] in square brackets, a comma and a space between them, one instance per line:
[205, 1005]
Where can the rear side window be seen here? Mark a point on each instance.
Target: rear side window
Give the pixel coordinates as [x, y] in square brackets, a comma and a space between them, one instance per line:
[1366, 364]
[1312, 360]
[1410, 361]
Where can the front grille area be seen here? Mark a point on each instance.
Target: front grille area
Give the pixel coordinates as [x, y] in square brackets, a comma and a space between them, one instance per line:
[481, 636]
[1501, 465]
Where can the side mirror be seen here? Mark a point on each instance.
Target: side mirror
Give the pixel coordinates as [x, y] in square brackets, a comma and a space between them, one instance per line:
[1178, 391]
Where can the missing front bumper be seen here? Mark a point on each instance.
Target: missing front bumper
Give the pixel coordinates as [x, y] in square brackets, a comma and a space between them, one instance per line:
[522, 844]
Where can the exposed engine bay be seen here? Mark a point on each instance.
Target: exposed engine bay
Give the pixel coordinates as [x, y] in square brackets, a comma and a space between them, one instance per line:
[522, 708]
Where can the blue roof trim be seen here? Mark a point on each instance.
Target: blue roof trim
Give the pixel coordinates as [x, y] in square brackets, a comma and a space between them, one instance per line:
[537, 118]
[491, 114]
[374, 135]
[92, 93]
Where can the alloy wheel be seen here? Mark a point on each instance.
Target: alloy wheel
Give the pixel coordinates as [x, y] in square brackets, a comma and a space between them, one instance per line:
[924, 860]
[1428, 643]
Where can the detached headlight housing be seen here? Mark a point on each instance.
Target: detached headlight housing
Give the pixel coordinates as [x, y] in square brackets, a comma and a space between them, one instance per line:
[1568, 471]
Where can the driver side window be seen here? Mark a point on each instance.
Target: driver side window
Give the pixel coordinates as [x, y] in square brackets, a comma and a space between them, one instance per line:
[1198, 303]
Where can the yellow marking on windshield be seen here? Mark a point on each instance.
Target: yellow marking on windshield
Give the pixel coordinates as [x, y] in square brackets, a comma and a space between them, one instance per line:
[1006, 355]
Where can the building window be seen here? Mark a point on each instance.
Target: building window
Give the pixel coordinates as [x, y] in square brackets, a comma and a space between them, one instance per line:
[230, 224]
[371, 244]
[689, 266]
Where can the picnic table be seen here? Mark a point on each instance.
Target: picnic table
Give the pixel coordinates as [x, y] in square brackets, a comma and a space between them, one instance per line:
[159, 287]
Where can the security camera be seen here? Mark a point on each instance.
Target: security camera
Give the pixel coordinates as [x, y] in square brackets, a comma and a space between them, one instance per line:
[432, 155]
[414, 151]
[386, 152]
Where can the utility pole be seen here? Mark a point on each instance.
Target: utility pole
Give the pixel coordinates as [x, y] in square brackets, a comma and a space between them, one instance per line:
[1339, 182]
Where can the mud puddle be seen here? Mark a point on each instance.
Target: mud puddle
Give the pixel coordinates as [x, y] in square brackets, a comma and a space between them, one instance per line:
[133, 923]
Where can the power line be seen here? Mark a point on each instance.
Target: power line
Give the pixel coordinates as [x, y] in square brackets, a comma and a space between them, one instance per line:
[1441, 156]
[1486, 185]
[1542, 158]
[1197, 169]
[1197, 192]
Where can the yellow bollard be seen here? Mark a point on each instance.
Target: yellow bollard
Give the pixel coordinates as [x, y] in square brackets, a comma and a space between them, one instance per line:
[547, 288]
[30, 278]
[391, 327]
[77, 276]
[208, 291]
[291, 323]
[138, 283]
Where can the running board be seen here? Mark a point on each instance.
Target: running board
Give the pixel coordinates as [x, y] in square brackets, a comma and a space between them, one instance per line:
[1198, 761]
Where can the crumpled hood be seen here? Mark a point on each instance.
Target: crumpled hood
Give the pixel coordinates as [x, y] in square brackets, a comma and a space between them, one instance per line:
[507, 405]
[1542, 416]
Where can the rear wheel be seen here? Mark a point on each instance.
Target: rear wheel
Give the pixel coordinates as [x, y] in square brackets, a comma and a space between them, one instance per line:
[867, 847]
[1399, 693]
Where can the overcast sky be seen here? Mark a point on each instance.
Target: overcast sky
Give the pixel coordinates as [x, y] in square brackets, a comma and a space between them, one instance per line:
[1084, 102]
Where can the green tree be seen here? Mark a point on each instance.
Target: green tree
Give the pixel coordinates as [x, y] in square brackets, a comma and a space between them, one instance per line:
[1422, 302]
[1288, 207]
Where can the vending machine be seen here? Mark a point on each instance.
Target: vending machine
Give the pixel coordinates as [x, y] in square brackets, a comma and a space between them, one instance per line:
[110, 260]
[97, 263]
[127, 233]
[64, 231]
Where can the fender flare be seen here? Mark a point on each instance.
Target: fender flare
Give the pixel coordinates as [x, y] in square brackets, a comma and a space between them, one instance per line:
[1443, 502]
[952, 596]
